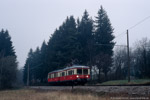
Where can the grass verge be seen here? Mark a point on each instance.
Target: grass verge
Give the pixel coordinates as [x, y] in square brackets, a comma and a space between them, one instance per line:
[125, 82]
[30, 94]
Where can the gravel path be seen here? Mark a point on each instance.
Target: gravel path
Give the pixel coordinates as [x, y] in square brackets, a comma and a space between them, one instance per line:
[137, 90]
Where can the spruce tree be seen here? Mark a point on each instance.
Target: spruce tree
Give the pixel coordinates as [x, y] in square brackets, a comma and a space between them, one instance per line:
[103, 41]
[27, 64]
[85, 37]
[42, 66]
[6, 47]
[62, 45]
[8, 62]
[36, 62]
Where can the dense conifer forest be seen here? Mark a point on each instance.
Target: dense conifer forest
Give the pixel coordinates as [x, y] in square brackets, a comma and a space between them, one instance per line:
[87, 42]
[8, 61]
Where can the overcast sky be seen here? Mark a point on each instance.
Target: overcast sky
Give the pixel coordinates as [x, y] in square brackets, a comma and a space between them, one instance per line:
[30, 22]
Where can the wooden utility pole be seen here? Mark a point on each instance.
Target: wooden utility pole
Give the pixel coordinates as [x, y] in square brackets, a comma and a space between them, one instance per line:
[28, 75]
[128, 56]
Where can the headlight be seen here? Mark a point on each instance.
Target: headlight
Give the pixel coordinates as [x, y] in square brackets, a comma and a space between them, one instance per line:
[77, 76]
[87, 76]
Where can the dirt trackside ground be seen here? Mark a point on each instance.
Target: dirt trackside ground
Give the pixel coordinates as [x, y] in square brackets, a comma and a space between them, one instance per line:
[108, 91]
[78, 93]
[139, 90]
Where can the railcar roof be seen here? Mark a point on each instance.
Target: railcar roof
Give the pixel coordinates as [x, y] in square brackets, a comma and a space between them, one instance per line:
[74, 66]
[56, 71]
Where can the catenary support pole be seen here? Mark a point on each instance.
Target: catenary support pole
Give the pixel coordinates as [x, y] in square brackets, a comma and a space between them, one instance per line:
[128, 56]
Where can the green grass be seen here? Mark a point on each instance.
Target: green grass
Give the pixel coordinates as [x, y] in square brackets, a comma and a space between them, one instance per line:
[125, 82]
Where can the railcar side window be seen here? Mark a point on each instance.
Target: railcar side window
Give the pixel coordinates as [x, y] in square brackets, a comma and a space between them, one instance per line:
[63, 73]
[55, 74]
[79, 71]
[85, 71]
[49, 75]
[71, 72]
[52, 76]
[60, 74]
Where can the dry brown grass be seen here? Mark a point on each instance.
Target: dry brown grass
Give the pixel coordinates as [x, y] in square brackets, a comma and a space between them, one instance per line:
[29, 94]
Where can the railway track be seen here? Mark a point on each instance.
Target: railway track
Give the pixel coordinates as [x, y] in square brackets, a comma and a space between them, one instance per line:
[146, 84]
[123, 85]
[138, 90]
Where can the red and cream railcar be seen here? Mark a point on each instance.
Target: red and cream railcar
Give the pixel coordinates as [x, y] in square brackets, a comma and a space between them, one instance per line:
[70, 75]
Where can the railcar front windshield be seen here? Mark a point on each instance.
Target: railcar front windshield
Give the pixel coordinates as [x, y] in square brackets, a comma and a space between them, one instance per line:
[85, 71]
[79, 71]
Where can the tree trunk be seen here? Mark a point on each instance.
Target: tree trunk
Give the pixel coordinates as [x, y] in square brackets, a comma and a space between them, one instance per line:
[99, 75]
[105, 77]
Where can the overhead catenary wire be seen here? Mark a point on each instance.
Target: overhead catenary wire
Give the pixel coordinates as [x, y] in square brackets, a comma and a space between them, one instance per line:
[140, 22]
[111, 45]
[120, 34]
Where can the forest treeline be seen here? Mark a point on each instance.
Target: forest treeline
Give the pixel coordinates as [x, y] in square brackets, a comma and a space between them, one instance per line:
[87, 42]
[8, 61]
[76, 41]
[139, 60]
